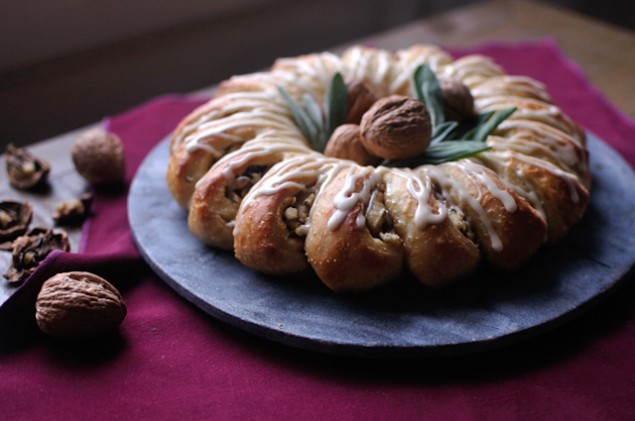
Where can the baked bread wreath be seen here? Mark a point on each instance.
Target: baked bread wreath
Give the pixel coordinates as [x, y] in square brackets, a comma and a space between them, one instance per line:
[369, 164]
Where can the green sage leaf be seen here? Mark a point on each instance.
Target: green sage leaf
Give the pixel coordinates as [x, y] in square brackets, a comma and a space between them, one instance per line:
[452, 151]
[429, 92]
[336, 104]
[442, 152]
[487, 122]
[302, 119]
[443, 131]
[314, 111]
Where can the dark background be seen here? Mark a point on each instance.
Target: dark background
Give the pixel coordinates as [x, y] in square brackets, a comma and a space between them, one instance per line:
[65, 64]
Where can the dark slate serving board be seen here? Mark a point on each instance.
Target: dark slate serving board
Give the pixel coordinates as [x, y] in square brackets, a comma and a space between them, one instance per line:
[489, 310]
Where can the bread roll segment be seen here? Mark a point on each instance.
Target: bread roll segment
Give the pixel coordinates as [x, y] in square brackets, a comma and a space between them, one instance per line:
[273, 218]
[497, 214]
[339, 246]
[432, 232]
[219, 193]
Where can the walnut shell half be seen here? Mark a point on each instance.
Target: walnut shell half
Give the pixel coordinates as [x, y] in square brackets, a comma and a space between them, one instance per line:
[78, 305]
[24, 170]
[458, 102]
[15, 218]
[30, 249]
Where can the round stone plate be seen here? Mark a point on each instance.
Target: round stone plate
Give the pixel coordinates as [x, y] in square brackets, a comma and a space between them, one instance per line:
[489, 310]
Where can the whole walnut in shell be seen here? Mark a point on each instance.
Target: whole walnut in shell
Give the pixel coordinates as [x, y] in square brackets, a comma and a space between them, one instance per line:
[360, 99]
[15, 218]
[396, 127]
[78, 305]
[458, 102]
[346, 143]
[98, 157]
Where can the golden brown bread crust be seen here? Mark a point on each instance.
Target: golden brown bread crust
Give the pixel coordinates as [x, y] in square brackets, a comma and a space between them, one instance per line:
[188, 164]
[267, 245]
[562, 199]
[184, 170]
[498, 207]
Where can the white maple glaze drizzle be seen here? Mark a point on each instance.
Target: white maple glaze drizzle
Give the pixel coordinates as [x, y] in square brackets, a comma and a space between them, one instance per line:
[348, 197]
[463, 196]
[420, 188]
[383, 69]
[298, 173]
[572, 181]
[535, 138]
[530, 109]
[536, 128]
[260, 146]
[407, 61]
[512, 86]
[497, 164]
[479, 172]
[472, 70]
[356, 62]
[284, 175]
[310, 171]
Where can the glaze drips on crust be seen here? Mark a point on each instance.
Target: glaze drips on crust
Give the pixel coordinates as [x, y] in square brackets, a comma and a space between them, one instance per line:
[250, 181]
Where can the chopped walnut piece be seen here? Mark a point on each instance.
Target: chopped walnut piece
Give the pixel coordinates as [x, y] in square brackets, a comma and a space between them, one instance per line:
[378, 220]
[73, 212]
[239, 187]
[31, 248]
[15, 218]
[24, 170]
[296, 214]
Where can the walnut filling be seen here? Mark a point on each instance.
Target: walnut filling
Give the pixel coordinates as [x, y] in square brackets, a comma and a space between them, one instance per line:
[240, 186]
[296, 212]
[378, 219]
[458, 220]
[456, 216]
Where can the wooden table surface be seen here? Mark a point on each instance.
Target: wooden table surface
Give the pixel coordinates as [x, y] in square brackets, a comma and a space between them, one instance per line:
[605, 53]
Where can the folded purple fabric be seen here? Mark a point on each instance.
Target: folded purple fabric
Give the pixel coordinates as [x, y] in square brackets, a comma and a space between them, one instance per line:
[171, 361]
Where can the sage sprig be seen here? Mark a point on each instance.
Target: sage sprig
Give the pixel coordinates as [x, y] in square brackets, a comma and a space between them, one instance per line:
[443, 131]
[336, 104]
[317, 123]
[442, 152]
[487, 122]
[450, 140]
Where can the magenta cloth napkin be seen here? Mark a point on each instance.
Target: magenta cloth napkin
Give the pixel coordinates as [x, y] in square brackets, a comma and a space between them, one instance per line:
[171, 361]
